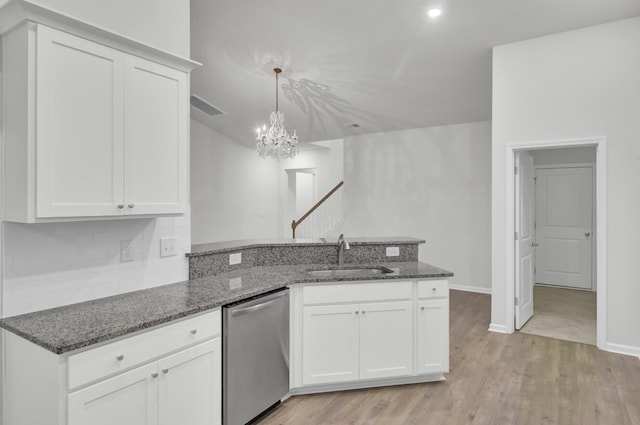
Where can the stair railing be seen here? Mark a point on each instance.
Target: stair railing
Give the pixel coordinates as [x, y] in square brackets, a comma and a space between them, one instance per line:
[296, 223]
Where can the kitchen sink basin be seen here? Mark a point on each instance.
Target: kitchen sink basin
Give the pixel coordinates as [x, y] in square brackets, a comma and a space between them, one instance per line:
[351, 271]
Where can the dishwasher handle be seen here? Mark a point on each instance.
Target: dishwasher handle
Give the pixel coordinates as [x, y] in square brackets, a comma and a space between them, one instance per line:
[257, 307]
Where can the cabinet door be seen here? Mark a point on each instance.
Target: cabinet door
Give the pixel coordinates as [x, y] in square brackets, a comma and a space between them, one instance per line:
[79, 148]
[190, 386]
[155, 130]
[330, 350]
[127, 399]
[433, 336]
[386, 339]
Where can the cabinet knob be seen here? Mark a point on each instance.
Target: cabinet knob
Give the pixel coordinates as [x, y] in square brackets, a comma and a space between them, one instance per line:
[364, 311]
[422, 308]
[165, 371]
[194, 331]
[357, 312]
[154, 375]
[120, 357]
[131, 205]
[120, 206]
[434, 289]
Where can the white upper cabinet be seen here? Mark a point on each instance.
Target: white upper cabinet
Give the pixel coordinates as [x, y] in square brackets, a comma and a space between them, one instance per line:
[79, 121]
[155, 131]
[91, 130]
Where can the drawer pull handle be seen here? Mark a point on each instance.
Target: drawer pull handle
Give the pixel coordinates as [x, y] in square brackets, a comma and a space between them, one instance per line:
[120, 357]
[165, 371]
[120, 206]
[194, 331]
[154, 375]
[434, 289]
[422, 308]
[131, 205]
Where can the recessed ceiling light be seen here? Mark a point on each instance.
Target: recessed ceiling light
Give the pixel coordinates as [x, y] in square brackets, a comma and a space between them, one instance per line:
[434, 12]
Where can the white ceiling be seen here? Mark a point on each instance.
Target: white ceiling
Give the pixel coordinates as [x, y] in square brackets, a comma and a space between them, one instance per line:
[381, 63]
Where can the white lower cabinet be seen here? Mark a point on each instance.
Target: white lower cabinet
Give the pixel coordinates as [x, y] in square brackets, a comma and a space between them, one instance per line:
[386, 339]
[433, 336]
[165, 376]
[128, 399]
[189, 386]
[331, 349]
[346, 333]
[357, 341]
[181, 388]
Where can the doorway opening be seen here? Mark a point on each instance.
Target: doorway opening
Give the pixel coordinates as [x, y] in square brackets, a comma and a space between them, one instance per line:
[562, 244]
[574, 256]
[302, 193]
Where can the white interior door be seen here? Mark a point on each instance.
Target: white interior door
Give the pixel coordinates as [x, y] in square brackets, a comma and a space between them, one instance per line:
[564, 214]
[524, 219]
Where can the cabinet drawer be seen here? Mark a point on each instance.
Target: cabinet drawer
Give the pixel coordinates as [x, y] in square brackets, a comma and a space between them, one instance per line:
[357, 292]
[433, 289]
[115, 357]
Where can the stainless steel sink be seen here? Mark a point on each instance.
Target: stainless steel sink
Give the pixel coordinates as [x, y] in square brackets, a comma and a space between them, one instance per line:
[351, 271]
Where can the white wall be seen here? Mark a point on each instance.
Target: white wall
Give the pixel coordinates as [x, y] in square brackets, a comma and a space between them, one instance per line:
[430, 183]
[577, 84]
[233, 191]
[561, 156]
[164, 24]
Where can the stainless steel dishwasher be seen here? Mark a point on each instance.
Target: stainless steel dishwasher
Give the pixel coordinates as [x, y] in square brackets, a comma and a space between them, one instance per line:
[255, 357]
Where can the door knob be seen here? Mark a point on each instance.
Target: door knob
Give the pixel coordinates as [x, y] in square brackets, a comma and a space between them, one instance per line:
[587, 234]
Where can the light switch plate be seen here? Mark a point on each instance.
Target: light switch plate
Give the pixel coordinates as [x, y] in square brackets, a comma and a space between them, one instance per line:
[235, 258]
[168, 246]
[393, 251]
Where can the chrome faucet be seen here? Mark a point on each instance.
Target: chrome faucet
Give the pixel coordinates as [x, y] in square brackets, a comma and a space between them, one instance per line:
[342, 245]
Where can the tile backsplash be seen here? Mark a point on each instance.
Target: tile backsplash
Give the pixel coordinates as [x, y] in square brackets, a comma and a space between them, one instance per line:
[54, 264]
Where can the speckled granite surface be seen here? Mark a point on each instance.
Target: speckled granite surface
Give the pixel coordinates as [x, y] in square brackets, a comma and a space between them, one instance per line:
[230, 246]
[72, 327]
[210, 259]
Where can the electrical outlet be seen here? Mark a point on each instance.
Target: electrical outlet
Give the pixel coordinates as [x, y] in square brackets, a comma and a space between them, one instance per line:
[168, 246]
[393, 251]
[235, 283]
[126, 251]
[235, 258]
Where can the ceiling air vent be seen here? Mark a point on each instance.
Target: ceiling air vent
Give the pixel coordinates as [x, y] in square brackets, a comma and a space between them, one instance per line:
[352, 125]
[201, 104]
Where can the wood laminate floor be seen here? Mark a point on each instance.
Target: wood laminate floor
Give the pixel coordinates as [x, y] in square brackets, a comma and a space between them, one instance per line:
[494, 379]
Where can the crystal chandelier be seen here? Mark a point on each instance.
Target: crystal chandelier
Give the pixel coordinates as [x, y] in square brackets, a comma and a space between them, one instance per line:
[275, 141]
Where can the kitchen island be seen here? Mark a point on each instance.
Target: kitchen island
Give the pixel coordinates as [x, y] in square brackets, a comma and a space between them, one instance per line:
[64, 341]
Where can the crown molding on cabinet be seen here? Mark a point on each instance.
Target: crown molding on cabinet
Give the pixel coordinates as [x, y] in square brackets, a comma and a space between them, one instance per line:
[16, 12]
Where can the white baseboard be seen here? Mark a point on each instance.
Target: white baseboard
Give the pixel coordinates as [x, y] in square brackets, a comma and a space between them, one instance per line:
[501, 329]
[467, 288]
[628, 350]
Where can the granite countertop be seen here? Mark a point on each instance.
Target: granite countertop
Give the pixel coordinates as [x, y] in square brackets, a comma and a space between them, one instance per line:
[72, 327]
[220, 247]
